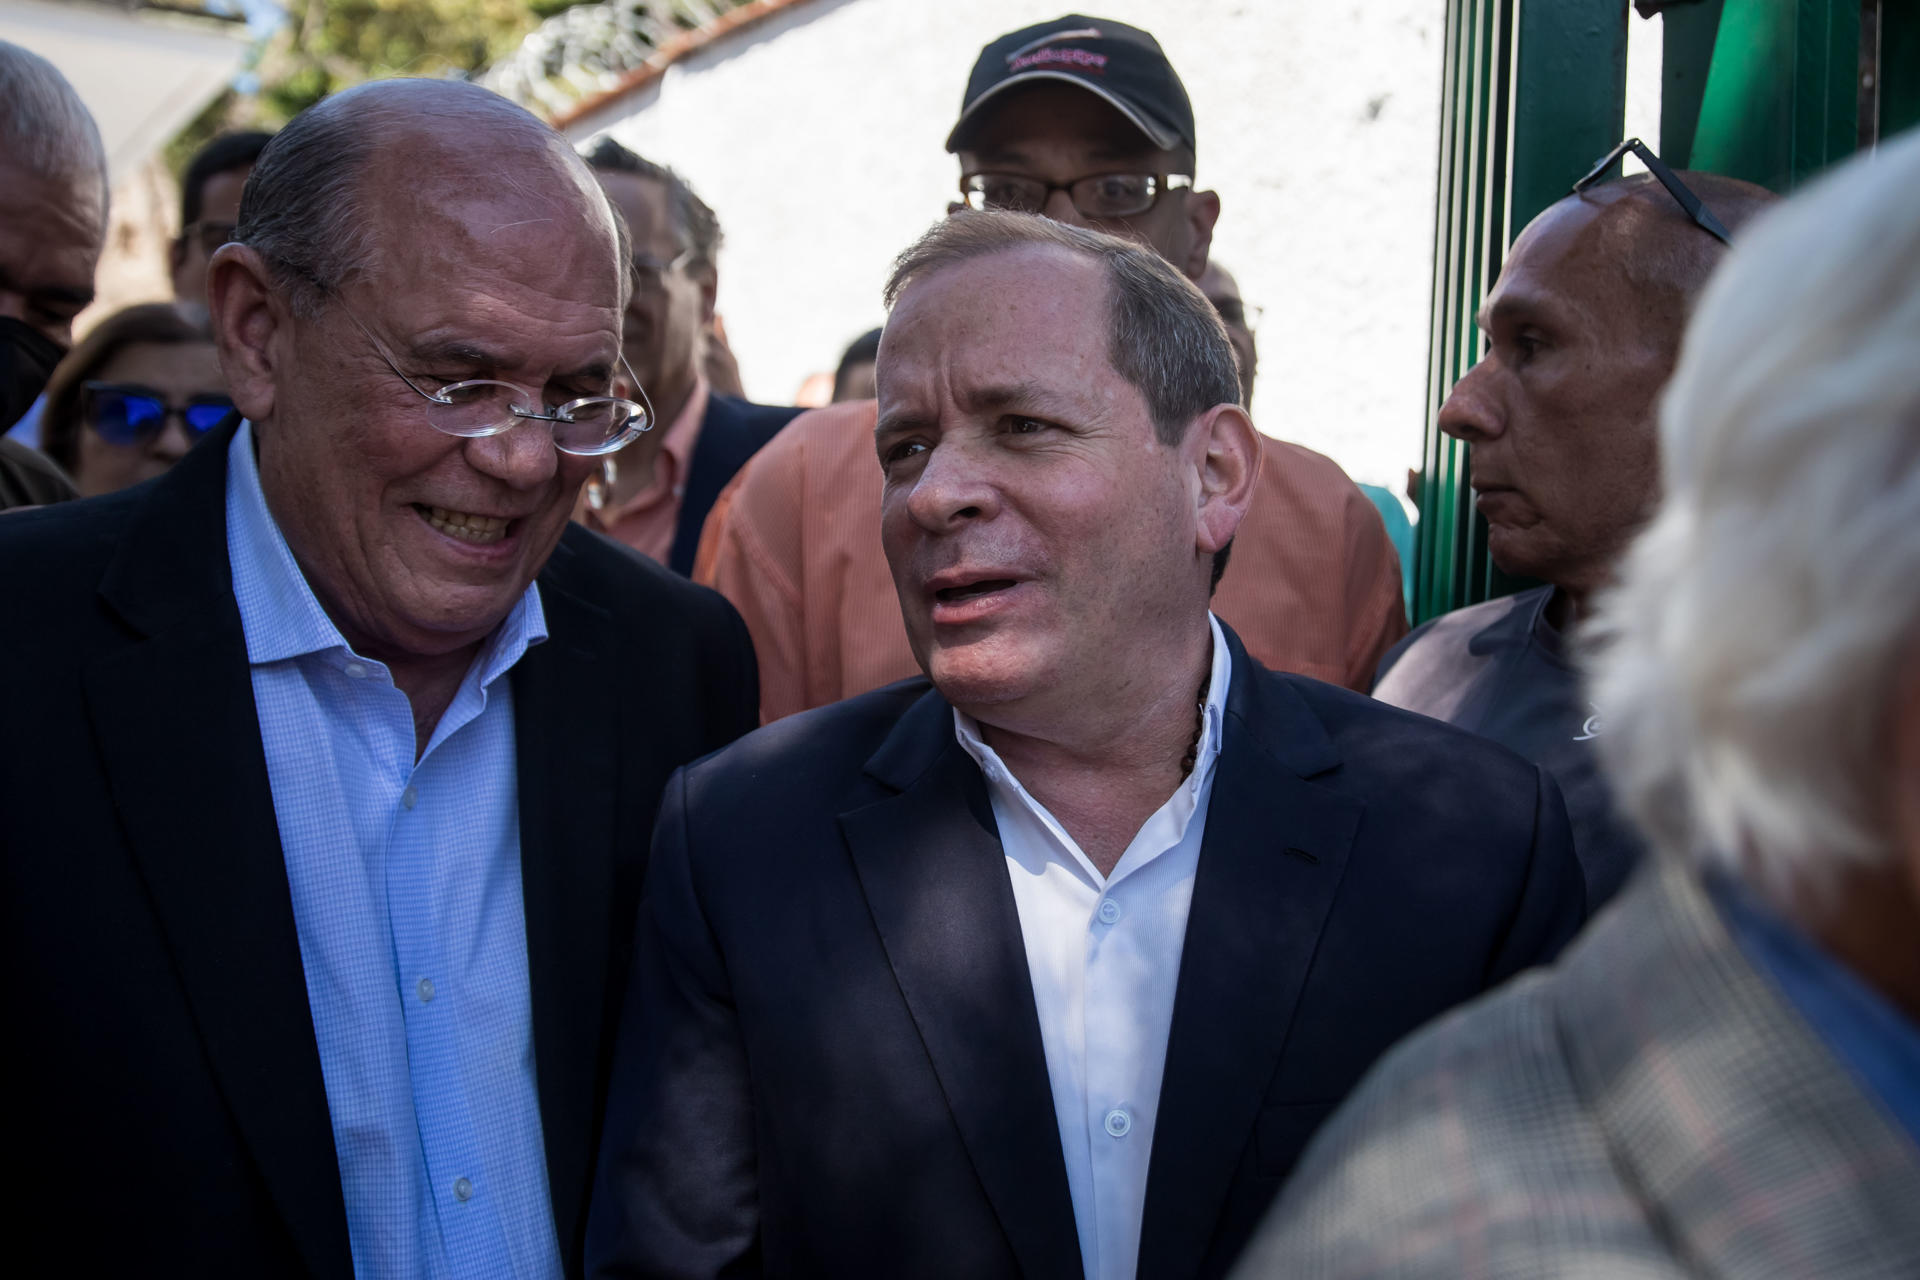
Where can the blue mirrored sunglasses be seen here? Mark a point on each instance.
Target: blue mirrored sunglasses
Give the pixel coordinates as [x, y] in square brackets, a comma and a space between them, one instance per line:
[128, 414]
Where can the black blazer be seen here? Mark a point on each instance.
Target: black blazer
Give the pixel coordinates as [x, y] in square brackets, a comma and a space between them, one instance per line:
[168, 1114]
[830, 1063]
[732, 432]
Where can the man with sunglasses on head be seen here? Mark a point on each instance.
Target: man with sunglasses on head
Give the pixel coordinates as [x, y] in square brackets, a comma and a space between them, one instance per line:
[333, 753]
[655, 493]
[1583, 329]
[1085, 121]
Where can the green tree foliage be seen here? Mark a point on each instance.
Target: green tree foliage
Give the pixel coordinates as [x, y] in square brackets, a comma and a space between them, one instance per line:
[327, 45]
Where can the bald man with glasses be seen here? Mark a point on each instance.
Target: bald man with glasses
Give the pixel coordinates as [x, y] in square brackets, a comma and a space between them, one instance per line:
[333, 754]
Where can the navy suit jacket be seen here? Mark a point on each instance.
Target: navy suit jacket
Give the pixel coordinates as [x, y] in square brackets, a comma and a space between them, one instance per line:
[830, 1062]
[732, 432]
[169, 1112]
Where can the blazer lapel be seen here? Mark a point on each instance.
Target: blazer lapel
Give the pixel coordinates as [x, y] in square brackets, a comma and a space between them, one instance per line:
[207, 842]
[568, 771]
[1275, 849]
[934, 875]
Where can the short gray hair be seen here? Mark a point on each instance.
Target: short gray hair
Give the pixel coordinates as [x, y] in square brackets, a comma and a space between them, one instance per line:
[1745, 660]
[1163, 336]
[304, 209]
[44, 125]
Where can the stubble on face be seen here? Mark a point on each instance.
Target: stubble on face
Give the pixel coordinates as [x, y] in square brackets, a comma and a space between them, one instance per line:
[418, 543]
[1561, 411]
[1041, 537]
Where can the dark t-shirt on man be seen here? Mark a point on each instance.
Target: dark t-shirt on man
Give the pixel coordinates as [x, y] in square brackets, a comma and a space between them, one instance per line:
[1501, 669]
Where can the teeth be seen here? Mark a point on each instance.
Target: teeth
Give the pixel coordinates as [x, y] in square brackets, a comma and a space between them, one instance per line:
[466, 526]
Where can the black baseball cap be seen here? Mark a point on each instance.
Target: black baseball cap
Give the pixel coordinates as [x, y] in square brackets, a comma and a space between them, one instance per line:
[1123, 65]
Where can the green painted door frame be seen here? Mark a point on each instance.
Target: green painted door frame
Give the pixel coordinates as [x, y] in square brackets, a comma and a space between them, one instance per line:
[1534, 91]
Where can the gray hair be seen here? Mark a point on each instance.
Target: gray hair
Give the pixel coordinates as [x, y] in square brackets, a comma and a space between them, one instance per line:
[307, 214]
[44, 125]
[1163, 336]
[1746, 658]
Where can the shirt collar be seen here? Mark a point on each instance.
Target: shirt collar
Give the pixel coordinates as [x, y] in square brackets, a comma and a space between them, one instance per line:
[279, 614]
[675, 457]
[1212, 718]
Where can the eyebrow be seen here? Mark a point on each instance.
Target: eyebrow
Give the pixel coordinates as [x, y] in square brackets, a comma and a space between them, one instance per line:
[1512, 309]
[463, 352]
[1105, 154]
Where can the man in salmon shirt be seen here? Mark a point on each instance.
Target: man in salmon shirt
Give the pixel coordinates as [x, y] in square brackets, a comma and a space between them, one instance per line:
[1085, 121]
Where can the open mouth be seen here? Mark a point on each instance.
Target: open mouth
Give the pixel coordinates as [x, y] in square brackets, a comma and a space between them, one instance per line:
[972, 590]
[467, 527]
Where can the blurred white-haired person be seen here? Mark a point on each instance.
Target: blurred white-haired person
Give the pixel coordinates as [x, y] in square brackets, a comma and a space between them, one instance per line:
[1722, 1076]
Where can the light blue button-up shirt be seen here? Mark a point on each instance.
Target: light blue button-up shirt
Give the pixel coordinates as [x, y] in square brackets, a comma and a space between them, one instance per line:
[405, 879]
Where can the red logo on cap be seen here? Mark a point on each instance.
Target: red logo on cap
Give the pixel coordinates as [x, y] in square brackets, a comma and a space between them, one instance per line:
[1078, 59]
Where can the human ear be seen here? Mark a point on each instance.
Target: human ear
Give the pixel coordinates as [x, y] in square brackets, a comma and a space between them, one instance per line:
[1225, 449]
[246, 315]
[1202, 211]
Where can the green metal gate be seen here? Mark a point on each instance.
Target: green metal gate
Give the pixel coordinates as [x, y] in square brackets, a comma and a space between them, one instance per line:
[1534, 90]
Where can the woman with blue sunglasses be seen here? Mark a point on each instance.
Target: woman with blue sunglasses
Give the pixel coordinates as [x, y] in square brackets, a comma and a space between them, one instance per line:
[132, 397]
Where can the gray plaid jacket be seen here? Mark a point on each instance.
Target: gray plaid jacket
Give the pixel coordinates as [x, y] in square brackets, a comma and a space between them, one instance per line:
[1650, 1107]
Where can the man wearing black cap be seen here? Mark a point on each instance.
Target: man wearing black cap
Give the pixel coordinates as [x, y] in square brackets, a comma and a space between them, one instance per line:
[1085, 121]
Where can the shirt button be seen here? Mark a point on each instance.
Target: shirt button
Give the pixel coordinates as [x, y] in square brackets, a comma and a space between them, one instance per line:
[1109, 912]
[408, 797]
[425, 988]
[462, 1189]
[356, 671]
[1119, 1123]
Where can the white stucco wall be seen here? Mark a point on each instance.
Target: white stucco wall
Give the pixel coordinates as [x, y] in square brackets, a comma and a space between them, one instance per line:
[817, 137]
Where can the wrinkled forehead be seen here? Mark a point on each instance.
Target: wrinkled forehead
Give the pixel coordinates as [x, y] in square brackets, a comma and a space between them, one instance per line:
[1573, 257]
[1031, 313]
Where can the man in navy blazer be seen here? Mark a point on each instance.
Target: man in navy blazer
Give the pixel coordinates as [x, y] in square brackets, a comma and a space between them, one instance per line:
[1048, 964]
[262, 1020]
[657, 491]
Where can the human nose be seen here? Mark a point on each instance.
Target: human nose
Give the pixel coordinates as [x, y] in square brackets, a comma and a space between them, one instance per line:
[1472, 411]
[952, 490]
[523, 457]
[1060, 207]
[172, 443]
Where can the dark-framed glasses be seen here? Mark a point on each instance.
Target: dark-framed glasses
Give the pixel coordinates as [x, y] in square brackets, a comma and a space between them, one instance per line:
[1699, 212]
[128, 413]
[585, 427]
[651, 273]
[1098, 195]
[208, 233]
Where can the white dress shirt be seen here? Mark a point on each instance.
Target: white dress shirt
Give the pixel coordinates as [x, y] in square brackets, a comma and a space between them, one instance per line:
[1103, 953]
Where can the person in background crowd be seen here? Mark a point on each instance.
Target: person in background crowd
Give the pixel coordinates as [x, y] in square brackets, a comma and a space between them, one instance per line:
[129, 401]
[1223, 291]
[1084, 120]
[1583, 325]
[53, 224]
[854, 380]
[209, 207]
[322, 849]
[1048, 963]
[1722, 1077]
[657, 490]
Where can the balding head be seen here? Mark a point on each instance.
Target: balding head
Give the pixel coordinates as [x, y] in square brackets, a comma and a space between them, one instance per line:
[45, 130]
[370, 168]
[1584, 326]
[53, 219]
[1661, 253]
